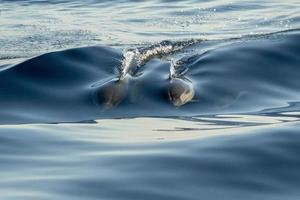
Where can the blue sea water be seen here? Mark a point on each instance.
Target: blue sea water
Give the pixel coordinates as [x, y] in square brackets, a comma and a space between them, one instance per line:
[223, 125]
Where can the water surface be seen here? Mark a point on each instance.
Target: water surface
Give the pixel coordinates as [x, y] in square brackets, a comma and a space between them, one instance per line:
[65, 135]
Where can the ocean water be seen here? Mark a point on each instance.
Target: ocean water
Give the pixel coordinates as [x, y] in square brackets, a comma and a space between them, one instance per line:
[155, 99]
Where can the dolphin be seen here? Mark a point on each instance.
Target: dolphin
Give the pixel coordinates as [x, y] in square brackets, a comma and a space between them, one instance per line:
[112, 93]
[180, 89]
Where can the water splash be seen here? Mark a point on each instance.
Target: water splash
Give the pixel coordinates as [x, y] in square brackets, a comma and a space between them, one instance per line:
[134, 59]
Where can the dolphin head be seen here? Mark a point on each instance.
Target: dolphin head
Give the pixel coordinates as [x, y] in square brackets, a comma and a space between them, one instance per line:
[112, 93]
[180, 92]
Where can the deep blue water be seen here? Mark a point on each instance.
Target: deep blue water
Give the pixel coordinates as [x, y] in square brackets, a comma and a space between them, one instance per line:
[149, 99]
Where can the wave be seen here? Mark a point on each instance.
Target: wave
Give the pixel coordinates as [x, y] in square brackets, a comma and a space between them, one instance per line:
[242, 75]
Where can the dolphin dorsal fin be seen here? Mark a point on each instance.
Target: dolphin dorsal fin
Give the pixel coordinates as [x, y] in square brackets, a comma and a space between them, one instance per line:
[172, 73]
